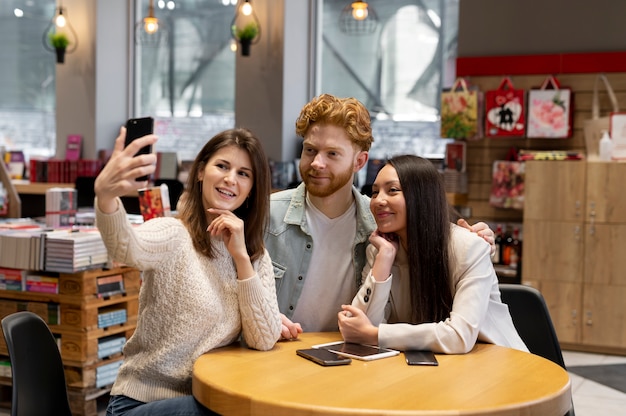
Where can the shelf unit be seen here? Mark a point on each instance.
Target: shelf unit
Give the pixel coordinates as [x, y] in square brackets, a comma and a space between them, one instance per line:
[78, 332]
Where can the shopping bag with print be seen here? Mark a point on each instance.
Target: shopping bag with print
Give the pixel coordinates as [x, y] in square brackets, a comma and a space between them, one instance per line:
[550, 111]
[504, 111]
[596, 125]
[461, 115]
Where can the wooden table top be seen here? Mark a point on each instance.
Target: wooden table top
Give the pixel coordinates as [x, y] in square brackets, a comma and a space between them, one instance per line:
[489, 380]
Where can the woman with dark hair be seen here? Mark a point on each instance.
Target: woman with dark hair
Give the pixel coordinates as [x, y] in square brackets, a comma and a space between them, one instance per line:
[429, 283]
[207, 278]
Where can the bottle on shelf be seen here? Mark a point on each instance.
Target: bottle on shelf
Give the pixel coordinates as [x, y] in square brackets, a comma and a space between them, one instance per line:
[497, 256]
[507, 239]
[606, 147]
[515, 249]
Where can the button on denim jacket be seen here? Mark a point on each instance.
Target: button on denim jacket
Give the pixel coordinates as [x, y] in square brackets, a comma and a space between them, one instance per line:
[290, 244]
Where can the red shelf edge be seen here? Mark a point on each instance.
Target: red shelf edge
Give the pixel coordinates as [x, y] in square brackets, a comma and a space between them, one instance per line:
[564, 63]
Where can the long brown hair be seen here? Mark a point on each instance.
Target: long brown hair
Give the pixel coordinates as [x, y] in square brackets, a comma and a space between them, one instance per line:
[428, 236]
[254, 212]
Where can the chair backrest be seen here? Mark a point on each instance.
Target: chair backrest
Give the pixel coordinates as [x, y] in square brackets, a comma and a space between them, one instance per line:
[36, 366]
[532, 320]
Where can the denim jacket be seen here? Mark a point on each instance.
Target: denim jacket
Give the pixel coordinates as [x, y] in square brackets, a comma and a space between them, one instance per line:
[289, 242]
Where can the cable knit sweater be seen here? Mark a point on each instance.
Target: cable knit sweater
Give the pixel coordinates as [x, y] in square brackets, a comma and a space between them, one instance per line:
[188, 304]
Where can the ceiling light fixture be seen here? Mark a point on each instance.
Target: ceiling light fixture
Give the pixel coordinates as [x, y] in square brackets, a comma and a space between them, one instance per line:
[358, 18]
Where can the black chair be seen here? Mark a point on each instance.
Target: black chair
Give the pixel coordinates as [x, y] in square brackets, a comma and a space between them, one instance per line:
[37, 369]
[532, 320]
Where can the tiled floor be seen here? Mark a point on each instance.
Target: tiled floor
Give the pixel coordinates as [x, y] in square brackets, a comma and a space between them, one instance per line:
[590, 398]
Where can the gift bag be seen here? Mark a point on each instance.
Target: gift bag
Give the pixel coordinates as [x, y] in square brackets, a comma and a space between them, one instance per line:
[461, 113]
[504, 111]
[507, 187]
[618, 135]
[594, 127]
[550, 111]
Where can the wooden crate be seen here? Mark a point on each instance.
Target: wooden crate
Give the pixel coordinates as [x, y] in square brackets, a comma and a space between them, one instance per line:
[84, 401]
[84, 376]
[82, 348]
[85, 318]
[84, 284]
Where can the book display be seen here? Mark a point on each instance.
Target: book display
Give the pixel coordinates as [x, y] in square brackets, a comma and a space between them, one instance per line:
[92, 314]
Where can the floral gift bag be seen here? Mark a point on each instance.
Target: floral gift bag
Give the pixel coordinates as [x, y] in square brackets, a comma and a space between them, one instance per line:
[549, 111]
[461, 115]
[504, 111]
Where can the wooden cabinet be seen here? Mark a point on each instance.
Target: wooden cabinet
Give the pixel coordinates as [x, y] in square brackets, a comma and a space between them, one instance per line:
[575, 249]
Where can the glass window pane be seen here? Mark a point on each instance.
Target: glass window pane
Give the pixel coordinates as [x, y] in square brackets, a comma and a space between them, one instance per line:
[27, 84]
[185, 75]
[395, 61]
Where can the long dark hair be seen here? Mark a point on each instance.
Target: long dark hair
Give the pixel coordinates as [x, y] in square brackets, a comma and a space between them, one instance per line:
[428, 236]
[254, 212]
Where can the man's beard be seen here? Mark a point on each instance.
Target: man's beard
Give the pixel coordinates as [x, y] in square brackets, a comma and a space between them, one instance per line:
[336, 182]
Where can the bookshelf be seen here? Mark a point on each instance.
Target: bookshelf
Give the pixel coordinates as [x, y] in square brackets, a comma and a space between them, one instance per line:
[91, 350]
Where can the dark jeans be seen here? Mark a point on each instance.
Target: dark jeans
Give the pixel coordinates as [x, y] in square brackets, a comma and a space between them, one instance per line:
[179, 406]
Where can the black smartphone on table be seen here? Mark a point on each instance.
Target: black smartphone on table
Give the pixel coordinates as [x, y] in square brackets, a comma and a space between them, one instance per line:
[323, 357]
[136, 128]
[414, 357]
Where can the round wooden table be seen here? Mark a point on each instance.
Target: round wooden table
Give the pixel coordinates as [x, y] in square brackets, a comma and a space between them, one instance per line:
[490, 380]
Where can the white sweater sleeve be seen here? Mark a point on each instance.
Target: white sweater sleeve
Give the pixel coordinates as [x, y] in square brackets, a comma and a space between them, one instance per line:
[260, 317]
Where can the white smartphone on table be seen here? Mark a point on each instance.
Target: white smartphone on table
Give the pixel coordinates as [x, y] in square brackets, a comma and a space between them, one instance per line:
[358, 351]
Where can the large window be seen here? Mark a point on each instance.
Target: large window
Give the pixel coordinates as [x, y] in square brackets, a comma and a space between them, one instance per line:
[27, 84]
[185, 74]
[396, 66]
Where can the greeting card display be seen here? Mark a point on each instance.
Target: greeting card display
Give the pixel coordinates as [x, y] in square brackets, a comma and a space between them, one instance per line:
[550, 111]
[461, 112]
[504, 111]
[507, 188]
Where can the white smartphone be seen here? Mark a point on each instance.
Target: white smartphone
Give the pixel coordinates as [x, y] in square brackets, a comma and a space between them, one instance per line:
[358, 351]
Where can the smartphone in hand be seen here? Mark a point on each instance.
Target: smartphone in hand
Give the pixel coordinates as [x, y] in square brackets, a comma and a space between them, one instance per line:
[323, 357]
[136, 128]
[414, 357]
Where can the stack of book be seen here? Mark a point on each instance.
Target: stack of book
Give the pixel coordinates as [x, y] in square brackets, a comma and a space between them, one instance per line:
[12, 279]
[106, 374]
[21, 248]
[111, 345]
[74, 251]
[40, 283]
[61, 206]
[110, 318]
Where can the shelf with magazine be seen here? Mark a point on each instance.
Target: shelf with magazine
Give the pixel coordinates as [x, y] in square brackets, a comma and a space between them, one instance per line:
[92, 313]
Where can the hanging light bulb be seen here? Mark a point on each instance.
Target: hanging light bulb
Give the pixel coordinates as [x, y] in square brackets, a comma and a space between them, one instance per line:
[358, 18]
[149, 31]
[359, 10]
[60, 21]
[246, 8]
[150, 25]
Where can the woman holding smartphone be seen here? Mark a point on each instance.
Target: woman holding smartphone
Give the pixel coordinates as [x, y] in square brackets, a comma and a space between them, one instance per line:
[429, 284]
[207, 278]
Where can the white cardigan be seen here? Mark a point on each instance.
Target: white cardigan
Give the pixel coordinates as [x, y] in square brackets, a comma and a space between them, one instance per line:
[478, 313]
